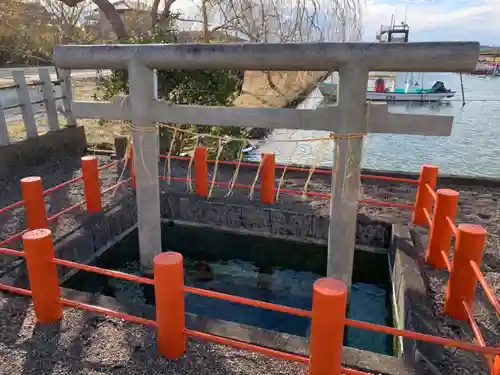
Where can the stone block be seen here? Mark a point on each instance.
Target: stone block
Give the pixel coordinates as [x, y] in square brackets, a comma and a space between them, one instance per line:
[256, 218]
[192, 210]
[278, 223]
[320, 227]
[300, 225]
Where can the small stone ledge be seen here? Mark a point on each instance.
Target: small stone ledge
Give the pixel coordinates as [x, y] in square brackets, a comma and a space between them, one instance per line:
[411, 303]
[353, 358]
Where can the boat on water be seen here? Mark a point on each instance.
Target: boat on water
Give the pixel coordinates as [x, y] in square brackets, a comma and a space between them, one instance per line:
[396, 87]
[386, 90]
[484, 70]
[405, 87]
[411, 92]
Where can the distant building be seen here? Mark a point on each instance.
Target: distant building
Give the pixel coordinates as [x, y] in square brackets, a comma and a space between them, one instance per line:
[135, 15]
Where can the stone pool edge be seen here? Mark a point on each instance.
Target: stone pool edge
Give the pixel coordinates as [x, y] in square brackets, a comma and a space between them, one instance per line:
[353, 358]
[411, 309]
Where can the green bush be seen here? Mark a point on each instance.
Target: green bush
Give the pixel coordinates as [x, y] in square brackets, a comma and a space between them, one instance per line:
[194, 87]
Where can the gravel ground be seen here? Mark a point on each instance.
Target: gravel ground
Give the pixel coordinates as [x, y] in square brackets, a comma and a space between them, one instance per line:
[83, 343]
[478, 204]
[53, 174]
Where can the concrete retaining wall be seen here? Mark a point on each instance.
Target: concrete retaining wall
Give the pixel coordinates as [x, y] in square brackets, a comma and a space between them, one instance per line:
[95, 233]
[258, 219]
[100, 231]
[58, 145]
[413, 311]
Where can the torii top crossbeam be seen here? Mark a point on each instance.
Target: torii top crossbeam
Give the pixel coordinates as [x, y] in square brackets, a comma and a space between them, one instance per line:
[408, 57]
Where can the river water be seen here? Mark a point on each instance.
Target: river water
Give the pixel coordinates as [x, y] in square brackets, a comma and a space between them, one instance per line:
[472, 149]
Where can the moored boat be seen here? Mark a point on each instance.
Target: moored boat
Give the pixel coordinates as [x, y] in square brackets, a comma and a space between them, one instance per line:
[395, 87]
[435, 94]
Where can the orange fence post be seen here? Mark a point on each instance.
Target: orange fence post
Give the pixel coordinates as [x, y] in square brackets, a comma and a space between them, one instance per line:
[462, 284]
[91, 183]
[34, 203]
[327, 327]
[496, 366]
[441, 233]
[268, 177]
[201, 170]
[131, 163]
[428, 175]
[42, 274]
[169, 294]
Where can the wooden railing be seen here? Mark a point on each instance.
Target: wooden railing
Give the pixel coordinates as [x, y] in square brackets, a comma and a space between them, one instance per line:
[32, 99]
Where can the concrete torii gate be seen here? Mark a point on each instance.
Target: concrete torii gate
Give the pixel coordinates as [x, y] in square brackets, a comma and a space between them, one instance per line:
[353, 61]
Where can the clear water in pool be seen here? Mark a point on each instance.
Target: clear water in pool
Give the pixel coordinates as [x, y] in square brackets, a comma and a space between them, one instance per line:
[368, 302]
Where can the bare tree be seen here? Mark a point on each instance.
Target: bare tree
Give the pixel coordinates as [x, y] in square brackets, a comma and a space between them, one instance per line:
[257, 20]
[164, 17]
[68, 21]
[283, 21]
[30, 30]
[109, 12]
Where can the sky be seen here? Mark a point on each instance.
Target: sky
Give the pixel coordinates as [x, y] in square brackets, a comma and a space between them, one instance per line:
[433, 20]
[429, 20]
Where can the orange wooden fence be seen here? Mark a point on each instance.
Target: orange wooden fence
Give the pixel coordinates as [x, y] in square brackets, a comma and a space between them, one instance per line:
[435, 209]
[33, 196]
[328, 319]
[267, 173]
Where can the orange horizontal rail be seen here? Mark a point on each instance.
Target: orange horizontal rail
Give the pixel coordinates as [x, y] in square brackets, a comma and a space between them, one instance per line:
[54, 188]
[487, 290]
[15, 290]
[407, 206]
[34, 202]
[248, 301]
[392, 179]
[65, 211]
[107, 166]
[61, 185]
[15, 253]
[290, 310]
[246, 346]
[113, 187]
[103, 271]
[296, 192]
[280, 308]
[13, 237]
[422, 337]
[431, 191]
[296, 169]
[446, 261]
[348, 322]
[350, 371]
[76, 179]
[11, 206]
[474, 326]
[108, 312]
[477, 332]
[452, 225]
[427, 216]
